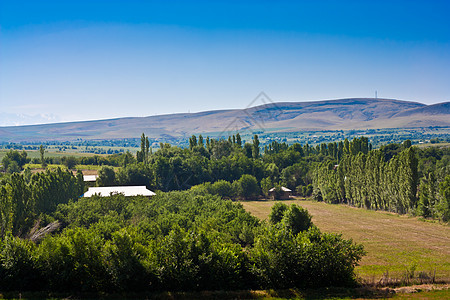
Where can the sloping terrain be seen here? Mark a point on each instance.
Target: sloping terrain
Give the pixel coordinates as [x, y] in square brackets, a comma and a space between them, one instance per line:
[315, 115]
[435, 109]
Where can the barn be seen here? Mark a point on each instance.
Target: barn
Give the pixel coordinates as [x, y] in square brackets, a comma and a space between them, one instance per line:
[127, 191]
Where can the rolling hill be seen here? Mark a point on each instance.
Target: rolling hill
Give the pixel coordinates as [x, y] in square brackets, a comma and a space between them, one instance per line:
[345, 114]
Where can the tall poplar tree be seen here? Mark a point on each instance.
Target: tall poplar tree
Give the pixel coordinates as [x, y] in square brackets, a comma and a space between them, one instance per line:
[42, 151]
[255, 147]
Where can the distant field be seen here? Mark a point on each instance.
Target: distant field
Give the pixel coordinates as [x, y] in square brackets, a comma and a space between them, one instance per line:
[35, 154]
[87, 169]
[393, 243]
[439, 145]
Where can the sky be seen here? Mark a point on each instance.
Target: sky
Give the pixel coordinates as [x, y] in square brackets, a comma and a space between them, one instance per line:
[100, 59]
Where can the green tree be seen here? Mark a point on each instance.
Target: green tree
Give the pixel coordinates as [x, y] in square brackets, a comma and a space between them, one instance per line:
[407, 144]
[51, 188]
[222, 188]
[255, 147]
[273, 172]
[23, 205]
[106, 176]
[248, 150]
[221, 148]
[14, 161]
[127, 158]
[42, 152]
[6, 210]
[296, 219]
[136, 174]
[444, 205]
[192, 142]
[238, 140]
[266, 185]
[247, 187]
[142, 156]
[17, 264]
[277, 212]
[70, 162]
[13, 167]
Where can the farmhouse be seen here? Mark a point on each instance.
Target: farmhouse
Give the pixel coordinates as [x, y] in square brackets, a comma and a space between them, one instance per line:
[127, 191]
[284, 193]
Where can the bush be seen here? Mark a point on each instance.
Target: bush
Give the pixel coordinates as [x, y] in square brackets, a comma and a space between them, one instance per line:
[247, 187]
[310, 259]
[317, 195]
[17, 269]
[73, 261]
[296, 219]
[277, 212]
[222, 188]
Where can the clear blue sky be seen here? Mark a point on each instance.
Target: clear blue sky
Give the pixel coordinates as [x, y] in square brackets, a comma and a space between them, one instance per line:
[82, 60]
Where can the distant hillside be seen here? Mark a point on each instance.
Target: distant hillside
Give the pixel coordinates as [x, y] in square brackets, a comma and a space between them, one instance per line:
[435, 109]
[342, 114]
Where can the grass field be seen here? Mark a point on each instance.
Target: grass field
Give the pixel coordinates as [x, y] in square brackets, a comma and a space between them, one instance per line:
[394, 244]
[36, 154]
[86, 169]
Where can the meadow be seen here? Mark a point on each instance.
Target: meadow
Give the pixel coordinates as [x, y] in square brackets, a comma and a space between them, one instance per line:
[49, 153]
[396, 245]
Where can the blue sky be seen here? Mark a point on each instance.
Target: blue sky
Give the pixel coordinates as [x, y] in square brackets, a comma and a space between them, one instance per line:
[84, 60]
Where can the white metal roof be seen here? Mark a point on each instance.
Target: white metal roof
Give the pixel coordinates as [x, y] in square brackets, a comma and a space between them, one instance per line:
[284, 189]
[90, 178]
[128, 191]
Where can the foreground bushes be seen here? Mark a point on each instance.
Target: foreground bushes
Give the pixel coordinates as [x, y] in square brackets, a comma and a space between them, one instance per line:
[175, 241]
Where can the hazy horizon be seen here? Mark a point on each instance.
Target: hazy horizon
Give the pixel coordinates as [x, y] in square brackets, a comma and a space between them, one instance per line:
[88, 60]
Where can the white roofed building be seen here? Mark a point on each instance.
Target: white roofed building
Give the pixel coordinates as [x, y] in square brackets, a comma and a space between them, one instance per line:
[127, 191]
[283, 189]
[283, 193]
[90, 178]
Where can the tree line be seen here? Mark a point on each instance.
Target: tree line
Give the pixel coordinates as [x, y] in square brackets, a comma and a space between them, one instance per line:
[15, 161]
[388, 179]
[211, 160]
[25, 198]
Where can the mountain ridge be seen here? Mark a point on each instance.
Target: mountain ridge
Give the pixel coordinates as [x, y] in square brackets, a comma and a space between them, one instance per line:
[349, 113]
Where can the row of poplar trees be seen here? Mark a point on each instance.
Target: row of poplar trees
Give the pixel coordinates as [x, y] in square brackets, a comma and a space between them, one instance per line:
[368, 180]
[23, 199]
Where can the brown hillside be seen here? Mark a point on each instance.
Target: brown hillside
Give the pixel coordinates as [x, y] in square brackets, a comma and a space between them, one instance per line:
[357, 113]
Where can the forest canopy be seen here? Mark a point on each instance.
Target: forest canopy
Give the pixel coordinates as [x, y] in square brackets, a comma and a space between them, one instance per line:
[175, 241]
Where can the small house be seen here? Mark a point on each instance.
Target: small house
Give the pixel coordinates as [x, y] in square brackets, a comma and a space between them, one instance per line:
[284, 193]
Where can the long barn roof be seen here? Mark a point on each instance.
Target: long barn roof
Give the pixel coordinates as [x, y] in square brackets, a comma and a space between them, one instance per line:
[128, 191]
